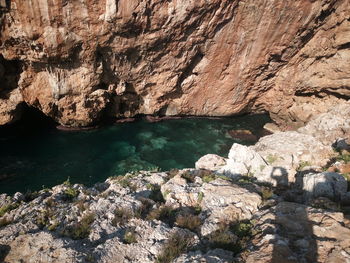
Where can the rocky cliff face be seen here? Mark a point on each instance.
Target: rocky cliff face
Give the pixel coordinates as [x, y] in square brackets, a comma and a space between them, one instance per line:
[77, 61]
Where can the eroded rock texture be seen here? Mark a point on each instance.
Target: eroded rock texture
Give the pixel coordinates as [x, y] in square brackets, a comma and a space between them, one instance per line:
[82, 60]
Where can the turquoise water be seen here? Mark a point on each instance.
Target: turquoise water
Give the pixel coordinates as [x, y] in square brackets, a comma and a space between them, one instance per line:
[32, 158]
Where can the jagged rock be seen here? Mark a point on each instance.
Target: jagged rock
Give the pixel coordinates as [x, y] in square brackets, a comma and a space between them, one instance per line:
[226, 202]
[211, 162]
[331, 185]
[150, 238]
[41, 247]
[243, 160]
[285, 152]
[293, 232]
[220, 200]
[330, 126]
[178, 192]
[272, 127]
[212, 256]
[10, 107]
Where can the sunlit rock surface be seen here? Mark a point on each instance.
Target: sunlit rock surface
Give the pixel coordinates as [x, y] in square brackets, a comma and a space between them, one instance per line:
[79, 61]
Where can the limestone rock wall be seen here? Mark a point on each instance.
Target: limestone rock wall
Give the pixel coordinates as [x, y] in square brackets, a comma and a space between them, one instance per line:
[82, 60]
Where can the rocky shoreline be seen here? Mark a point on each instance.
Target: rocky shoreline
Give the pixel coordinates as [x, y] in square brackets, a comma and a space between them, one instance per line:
[285, 199]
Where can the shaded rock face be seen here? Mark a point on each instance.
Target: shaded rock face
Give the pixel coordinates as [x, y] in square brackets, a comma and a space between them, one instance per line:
[293, 232]
[83, 60]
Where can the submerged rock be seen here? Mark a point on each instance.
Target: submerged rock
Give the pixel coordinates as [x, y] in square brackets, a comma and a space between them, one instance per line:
[243, 135]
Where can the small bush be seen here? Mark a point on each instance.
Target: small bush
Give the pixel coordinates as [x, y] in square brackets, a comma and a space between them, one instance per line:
[176, 245]
[163, 213]
[5, 221]
[223, 238]
[191, 222]
[156, 195]
[67, 182]
[44, 217]
[81, 229]
[209, 178]
[200, 197]
[81, 205]
[266, 193]
[188, 176]
[302, 165]
[121, 216]
[243, 228]
[6, 208]
[143, 210]
[29, 196]
[129, 236]
[124, 181]
[53, 226]
[172, 173]
[244, 231]
[69, 194]
[232, 237]
[50, 202]
[345, 157]
[197, 209]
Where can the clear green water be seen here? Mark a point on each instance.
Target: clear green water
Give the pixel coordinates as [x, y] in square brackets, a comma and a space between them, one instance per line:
[44, 156]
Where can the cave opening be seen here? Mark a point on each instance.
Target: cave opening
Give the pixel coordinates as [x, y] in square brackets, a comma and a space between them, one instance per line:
[31, 122]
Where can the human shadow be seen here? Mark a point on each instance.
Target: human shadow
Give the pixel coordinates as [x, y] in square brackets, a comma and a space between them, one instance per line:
[296, 225]
[4, 250]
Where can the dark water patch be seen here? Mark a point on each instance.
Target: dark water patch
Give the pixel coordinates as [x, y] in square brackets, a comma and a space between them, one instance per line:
[35, 154]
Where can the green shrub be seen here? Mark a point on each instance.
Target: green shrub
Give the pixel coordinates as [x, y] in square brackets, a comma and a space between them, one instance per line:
[197, 209]
[156, 195]
[302, 165]
[69, 194]
[234, 237]
[67, 182]
[81, 229]
[189, 221]
[121, 216]
[6, 208]
[143, 210]
[163, 213]
[44, 217]
[172, 173]
[129, 236]
[345, 157]
[222, 238]
[188, 176]
[176, 245]
[53, 226]
[5, 221]
[266, 193]
[124, 181]
[243, 229]
[81, 205]
[208, 178]
[50, 202]
[200, 197]
[29, 196]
